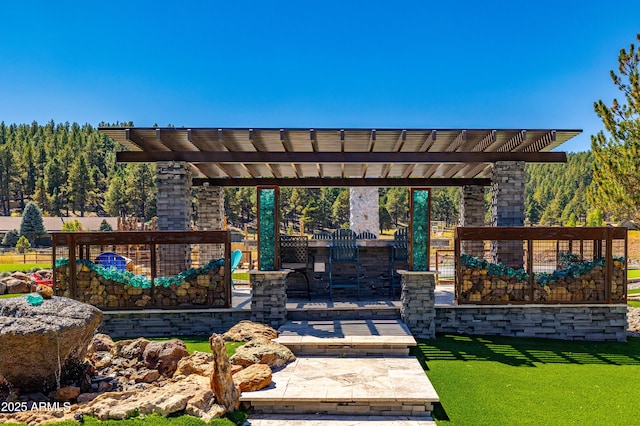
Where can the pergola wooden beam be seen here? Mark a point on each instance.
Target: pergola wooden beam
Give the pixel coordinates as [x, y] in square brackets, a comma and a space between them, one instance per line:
[339, 157]
[316, 182]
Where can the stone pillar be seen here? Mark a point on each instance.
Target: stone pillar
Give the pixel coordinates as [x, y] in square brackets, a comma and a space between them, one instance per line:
[363, 210]
[173, 184]
[418, 310]
[472, 214]
[210, 218]
[269, 297]
[507, 209]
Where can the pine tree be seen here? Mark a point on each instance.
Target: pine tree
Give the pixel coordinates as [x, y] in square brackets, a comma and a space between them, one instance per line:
[31, 225]
[616, 176]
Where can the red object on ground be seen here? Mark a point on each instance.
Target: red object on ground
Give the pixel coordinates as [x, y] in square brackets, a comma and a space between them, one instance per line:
[38, 279]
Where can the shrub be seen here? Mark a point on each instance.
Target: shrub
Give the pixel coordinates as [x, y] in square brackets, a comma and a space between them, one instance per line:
[23, 244]
[11, 238]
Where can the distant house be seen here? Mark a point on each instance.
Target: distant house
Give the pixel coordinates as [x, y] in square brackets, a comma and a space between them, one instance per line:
[52, 224]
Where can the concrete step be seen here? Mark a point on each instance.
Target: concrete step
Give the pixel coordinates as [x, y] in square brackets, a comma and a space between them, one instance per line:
[347, 337]
[323, 309]
[327, 420]
[358, 386]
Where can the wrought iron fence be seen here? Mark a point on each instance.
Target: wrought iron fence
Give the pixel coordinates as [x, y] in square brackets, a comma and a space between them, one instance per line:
[503, 265]
[137, 270]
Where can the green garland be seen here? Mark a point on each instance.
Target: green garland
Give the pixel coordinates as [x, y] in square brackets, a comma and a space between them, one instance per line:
[130, 279]
[493, 268]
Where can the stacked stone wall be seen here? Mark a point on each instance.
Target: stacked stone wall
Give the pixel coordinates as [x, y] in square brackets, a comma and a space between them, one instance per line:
[472, 214]
[507, 209]
[566, 322]
[269, 297]
[170, 323]
[174, 210]
[418, 303]
[211, 217]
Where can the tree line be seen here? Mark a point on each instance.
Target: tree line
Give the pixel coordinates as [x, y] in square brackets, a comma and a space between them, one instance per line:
[69, 169]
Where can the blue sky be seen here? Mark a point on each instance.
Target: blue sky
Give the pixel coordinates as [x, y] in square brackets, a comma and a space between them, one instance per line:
[372, 64]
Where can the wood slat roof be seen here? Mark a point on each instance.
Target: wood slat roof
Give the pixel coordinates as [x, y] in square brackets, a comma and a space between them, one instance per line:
[339, 157]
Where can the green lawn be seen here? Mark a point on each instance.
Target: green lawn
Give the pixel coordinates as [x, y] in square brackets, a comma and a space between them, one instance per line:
[492, 380]
[8, 296]
[633, 273]
[24, 267]
[200, 343]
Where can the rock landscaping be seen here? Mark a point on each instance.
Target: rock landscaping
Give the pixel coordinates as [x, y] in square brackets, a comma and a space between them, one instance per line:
[127, 378]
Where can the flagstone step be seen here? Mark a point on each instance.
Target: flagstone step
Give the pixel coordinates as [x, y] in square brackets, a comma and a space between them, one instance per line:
[329, 420]
[347, 337]
[360, 386]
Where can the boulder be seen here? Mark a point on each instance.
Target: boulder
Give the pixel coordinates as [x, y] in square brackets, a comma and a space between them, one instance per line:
[44, 291]
[197, 363]
[263, 351]
[67, 393]
[100, 343]
[173, 397]
[226, 392]
[38, 343]
[130, 349]
[144, 375]
[3, 288]
[245, 331]
[252, 378]
[164, 356]
[15, 286]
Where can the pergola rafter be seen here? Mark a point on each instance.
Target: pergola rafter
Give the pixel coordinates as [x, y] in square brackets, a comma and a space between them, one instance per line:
[381, 157]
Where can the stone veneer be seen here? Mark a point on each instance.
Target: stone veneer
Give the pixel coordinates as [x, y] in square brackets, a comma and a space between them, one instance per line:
[507, 209]
[472, 214]
[269, 297]
[174, 210]
[567, 322]
[211, 217]
[418, 303]
[170, 323]
[364, 210]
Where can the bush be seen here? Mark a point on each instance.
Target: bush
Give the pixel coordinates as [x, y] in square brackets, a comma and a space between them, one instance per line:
[23, 244]
[11, 238]
[72, 226]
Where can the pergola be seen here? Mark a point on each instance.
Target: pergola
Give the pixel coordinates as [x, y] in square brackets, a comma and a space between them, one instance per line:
[339, 157]
[333, 157]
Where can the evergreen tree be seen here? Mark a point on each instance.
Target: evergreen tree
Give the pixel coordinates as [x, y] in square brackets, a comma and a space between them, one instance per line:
[115, 201]
[105, 227]
[616, 175]
[31, 225]
[311, 216]
[11, 238]
[340, 209]
[23, 245]
[80, 184]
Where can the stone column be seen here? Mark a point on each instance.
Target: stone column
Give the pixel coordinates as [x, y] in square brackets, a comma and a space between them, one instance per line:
[418, 310]
[363, 210]
[507, 209]
[269, 297]
[472, 214]
[173, 184]
[210, 218]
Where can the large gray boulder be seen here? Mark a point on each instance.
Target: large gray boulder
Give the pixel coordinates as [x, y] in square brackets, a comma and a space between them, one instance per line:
[38, 343]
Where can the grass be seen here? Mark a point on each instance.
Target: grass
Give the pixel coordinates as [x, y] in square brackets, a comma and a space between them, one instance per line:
[153, 420]
[9, 296]
[200, 343]
[23, 267]
[490, 380]
[633, 273]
